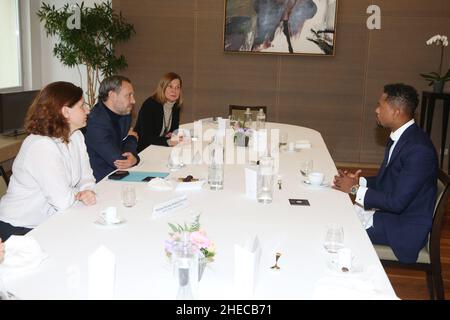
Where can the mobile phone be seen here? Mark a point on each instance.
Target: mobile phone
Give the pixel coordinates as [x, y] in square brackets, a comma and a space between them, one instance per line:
[147, 179]
[118, 175]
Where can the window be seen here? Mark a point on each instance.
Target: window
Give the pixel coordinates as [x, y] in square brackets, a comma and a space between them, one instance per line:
[10, 53]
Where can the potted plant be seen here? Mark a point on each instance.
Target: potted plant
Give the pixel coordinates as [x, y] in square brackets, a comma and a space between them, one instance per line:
[437, 79]
[91, 42]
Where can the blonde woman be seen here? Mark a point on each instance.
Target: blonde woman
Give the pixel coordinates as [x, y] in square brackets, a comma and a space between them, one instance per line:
[159, 115]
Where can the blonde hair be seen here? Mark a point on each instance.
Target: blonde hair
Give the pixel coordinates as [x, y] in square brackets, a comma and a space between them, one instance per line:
[159, 94]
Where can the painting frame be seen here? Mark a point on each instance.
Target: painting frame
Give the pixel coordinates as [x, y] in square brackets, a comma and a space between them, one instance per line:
[280, 27]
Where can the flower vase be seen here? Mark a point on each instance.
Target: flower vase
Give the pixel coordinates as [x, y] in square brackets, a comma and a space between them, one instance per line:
[241, 140]
[438, 86]
[201, 267]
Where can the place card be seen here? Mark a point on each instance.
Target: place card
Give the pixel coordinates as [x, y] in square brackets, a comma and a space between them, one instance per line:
[246, 267]
[170, 206]
[101, 274]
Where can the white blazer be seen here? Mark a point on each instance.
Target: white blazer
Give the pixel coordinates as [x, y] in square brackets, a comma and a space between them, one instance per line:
[47, 174]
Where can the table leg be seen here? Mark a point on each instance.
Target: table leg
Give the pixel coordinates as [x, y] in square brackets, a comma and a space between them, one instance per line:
[430, 113]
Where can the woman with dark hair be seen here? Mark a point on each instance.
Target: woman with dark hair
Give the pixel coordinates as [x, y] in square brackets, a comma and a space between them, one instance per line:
[159, 115]
[51, 171]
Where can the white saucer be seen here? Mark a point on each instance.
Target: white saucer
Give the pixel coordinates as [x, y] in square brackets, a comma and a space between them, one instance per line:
[101, 221]
[323, 185]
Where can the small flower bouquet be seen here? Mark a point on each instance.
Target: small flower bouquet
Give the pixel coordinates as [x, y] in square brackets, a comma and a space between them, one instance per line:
[197, 237]
[241, 135]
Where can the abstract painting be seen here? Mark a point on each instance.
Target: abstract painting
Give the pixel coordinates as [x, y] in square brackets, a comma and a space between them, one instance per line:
[280, 26]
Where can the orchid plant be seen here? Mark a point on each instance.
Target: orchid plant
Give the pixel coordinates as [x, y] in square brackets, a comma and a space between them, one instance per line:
[197, 237]
[434, 77]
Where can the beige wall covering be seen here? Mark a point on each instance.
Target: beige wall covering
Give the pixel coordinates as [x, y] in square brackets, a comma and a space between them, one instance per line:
[334, 95]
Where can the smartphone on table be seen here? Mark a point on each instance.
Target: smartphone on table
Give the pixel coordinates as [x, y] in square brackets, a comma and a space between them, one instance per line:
[118, 175]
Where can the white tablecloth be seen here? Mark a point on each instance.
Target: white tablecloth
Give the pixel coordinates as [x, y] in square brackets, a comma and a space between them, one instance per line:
[142, 269]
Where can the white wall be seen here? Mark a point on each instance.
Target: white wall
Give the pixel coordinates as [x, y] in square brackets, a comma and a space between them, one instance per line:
[40, 66]
[9, 75]
[52, 69]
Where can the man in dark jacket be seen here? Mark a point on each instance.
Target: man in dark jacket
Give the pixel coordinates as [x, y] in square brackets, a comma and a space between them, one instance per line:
[403, 193]
[110, 140]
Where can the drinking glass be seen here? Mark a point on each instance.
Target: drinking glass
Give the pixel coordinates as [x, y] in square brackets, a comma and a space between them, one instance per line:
[128, 196]
[334, 238]
[265, 180]
[283, 139]
[306, 167]
[174, 162]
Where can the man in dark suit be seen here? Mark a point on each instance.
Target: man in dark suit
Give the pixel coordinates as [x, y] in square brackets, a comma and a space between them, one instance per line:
[110, 140]
[403, 193]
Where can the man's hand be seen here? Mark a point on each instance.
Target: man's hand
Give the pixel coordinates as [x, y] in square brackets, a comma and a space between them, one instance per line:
[172, 143]
[127, 163]
[87, 197]
[344, 181]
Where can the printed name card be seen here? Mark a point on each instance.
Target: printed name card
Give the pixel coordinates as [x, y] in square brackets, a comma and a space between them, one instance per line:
[170, 206]
[222, 125]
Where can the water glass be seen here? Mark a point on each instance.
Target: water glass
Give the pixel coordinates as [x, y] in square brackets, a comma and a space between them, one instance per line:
[128, 196]
[306, 167]
[174, 162]
[283, 138]
[334, 238]
[265, 180]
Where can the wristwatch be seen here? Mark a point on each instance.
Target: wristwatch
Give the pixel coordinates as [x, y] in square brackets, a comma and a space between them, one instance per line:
[354, 189]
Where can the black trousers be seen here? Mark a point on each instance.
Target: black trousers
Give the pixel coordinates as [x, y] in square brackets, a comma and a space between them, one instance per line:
[7, 230]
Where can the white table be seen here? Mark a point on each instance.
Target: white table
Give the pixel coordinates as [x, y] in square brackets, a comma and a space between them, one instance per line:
[229, 218]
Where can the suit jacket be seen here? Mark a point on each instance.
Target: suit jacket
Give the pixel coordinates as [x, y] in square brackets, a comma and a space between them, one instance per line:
[150, 122]
[104, 143]
[404, 192]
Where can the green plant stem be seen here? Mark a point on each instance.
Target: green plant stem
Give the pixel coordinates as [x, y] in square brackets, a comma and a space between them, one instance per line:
[442, 57]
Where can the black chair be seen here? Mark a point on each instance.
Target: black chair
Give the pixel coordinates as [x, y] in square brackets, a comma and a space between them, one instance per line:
[4, 181]
[237, 112]
[429, 259]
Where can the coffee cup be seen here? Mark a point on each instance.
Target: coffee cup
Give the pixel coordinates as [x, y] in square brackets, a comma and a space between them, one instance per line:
[316, 178]
[110, 215]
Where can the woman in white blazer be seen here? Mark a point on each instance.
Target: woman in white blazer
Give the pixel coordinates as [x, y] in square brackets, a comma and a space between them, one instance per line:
[51, 171]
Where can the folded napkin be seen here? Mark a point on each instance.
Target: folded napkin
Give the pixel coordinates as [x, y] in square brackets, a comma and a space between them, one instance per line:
[193, 185]
[302, 144]
[365, 285]
[22, 254]
[158, 184]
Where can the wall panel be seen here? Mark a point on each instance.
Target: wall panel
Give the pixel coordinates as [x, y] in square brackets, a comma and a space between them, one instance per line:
[334, 95]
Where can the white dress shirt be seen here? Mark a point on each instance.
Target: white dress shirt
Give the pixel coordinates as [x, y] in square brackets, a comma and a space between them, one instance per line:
[47, 174]
[395, 136]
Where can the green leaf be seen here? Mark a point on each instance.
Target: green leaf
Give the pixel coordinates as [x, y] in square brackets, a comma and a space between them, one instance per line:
[93, 44]
[173, 227]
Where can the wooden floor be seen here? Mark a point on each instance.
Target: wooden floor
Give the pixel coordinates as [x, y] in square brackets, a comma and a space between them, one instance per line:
[412, 285]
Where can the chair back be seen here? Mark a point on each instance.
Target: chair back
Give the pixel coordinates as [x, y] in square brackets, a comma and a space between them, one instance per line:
[237, 112]
[4, 181]
[443, 193]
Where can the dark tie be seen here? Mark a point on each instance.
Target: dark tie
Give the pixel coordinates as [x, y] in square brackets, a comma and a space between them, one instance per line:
[386, 152]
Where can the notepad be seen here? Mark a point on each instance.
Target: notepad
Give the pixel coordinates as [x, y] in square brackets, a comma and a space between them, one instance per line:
[138, 176]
